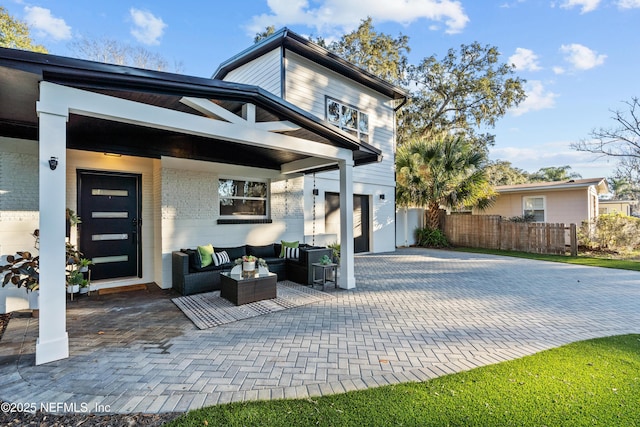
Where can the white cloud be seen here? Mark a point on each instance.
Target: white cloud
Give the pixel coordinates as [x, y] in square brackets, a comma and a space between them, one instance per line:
[148, 28]
[331, 16]
[538, 98]
[46, 24]
[525, 60]
[558, 70]
[581, 57]
[629, 4]
[587, 5]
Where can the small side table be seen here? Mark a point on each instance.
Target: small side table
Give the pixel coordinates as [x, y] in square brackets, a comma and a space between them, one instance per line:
[324, 279]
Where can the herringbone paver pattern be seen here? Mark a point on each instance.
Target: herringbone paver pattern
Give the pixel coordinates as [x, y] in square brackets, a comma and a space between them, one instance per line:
[416, 314]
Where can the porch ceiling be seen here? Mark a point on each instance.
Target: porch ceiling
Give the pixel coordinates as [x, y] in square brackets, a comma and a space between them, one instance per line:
[21, 73]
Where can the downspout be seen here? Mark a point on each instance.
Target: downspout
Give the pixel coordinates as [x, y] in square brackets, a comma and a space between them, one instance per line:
[395, 138]
[283, 71]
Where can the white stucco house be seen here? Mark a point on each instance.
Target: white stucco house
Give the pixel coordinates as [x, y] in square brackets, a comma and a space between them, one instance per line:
[143, 158]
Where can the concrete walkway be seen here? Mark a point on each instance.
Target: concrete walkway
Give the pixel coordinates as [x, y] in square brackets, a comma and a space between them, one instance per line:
[416, 314]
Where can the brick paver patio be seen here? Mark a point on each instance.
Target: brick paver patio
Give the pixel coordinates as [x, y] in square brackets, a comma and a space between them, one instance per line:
[416, 314]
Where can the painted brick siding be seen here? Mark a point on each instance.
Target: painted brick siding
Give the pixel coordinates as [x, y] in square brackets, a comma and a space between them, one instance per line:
[19, 193]
[18, 182]
[190, 211]
[189, 195]
[287, 198]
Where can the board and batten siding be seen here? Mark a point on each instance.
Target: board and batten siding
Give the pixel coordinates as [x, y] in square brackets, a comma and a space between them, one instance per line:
[264, 72]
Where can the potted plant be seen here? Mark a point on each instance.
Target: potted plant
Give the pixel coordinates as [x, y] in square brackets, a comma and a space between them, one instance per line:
[248, 263]
[23, 270]
[72, 219]
[335, 251]
[325, 260]
[83, 264]
[75, 280]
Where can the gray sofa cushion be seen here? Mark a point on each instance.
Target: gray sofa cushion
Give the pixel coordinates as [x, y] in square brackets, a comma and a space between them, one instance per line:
[234, 253]
[265, 251]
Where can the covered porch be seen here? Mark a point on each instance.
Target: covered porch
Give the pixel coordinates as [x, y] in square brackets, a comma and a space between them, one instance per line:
[165, 128]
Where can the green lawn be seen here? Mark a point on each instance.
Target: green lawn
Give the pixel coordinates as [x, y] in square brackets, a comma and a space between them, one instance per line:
[595, 382]
[622, 264]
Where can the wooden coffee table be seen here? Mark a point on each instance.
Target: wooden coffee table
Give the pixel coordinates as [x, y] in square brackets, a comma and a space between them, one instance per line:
[241, 290]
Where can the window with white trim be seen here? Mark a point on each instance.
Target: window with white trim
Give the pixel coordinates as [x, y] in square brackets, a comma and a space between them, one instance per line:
[243, 199]
[349, 119]
[534, 206]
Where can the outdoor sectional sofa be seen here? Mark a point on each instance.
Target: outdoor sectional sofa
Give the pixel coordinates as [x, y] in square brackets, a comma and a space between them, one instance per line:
[189, 278]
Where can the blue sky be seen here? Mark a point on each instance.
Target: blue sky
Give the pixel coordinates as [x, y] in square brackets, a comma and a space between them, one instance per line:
[580, 57]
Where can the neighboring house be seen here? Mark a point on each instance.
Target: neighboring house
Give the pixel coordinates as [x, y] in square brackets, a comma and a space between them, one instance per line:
[153, 162]
[567, 202]
[626, 207]
[333, 90]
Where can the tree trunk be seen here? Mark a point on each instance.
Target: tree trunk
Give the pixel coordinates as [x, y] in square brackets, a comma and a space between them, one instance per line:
[433, 216]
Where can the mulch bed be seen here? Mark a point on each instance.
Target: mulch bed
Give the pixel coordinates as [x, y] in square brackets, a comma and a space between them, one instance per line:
[43, 419]
[68, 420]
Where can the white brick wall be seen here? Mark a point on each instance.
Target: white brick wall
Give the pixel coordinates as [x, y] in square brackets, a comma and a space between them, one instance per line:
[18, 182]
[189, 195]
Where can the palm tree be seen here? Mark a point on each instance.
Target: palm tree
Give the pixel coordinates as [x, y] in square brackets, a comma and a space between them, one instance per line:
[622, 188]
[446, 171]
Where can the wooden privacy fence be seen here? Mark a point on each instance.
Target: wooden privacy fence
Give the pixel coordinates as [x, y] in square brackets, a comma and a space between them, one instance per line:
[491, 232]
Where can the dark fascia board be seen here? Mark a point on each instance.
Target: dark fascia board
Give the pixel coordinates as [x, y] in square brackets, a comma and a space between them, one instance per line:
[287, 39]
[97, 75]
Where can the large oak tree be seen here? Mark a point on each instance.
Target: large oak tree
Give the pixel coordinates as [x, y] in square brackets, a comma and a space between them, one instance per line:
[15, 34]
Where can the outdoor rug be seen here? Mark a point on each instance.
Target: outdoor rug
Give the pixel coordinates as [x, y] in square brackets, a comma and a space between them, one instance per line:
[208, 310]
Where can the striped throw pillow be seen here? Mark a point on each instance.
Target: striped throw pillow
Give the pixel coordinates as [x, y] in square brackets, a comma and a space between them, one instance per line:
[292, 253]
[220, 258]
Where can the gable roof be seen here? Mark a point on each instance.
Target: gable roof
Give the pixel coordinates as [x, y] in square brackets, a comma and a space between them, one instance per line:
[296, 43]
[21, 71]
[572, 184]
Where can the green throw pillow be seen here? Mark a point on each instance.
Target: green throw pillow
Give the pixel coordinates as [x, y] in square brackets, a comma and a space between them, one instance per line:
[206, 255]
[287, 245]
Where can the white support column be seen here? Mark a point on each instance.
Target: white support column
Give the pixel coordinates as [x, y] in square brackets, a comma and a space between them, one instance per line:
[53, 341]
[347, 275]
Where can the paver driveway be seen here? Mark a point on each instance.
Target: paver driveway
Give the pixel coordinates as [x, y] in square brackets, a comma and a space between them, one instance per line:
[416, 314]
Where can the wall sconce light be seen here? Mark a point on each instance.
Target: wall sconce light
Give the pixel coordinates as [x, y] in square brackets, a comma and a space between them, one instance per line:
[315, 192]
[382, 197]
[53, 163]
[112, 155]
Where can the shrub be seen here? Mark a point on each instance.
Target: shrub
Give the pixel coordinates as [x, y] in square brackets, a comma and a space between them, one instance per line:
[614, 231]
[524, 218]
[431, 238]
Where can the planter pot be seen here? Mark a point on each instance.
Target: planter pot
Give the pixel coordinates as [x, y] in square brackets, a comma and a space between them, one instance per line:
[73, 289]
[248, 266]
[84, 290]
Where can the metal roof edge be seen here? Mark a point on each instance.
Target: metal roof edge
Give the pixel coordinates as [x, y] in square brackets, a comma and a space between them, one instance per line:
[550, 186]
[97, 75]
[290, 40]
